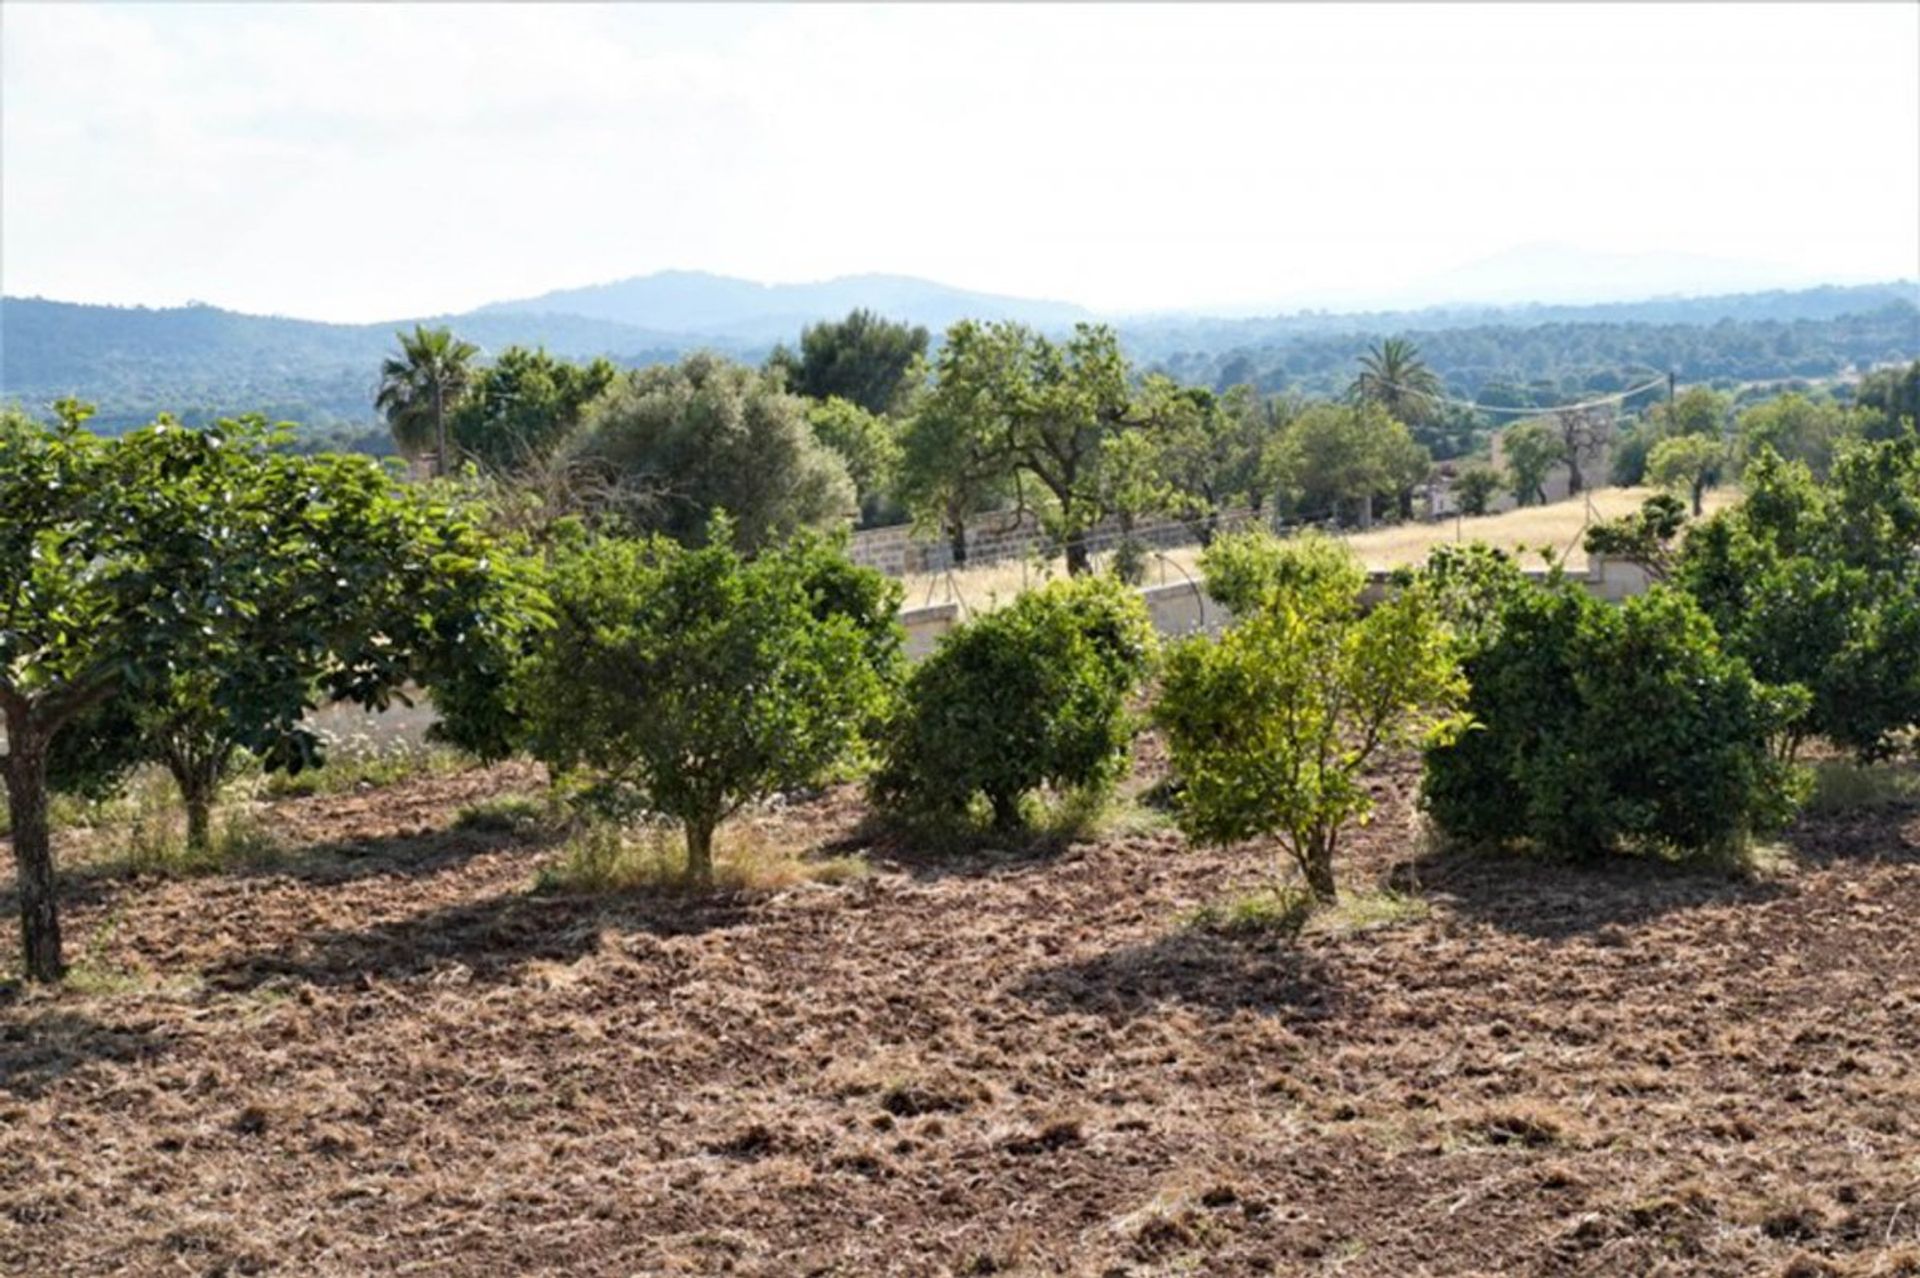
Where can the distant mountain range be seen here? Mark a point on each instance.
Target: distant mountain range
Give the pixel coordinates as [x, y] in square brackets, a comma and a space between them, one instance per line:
[201, 361]
[704, 305]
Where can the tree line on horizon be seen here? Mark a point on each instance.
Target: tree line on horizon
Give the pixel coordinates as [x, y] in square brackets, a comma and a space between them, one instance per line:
[866, 422]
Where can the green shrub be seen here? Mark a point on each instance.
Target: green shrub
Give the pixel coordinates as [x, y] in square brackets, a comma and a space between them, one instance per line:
[1034, 694]
[695, 680]
[1598, 728]
[1819, 585]
[1271, 727]
[1241, 569]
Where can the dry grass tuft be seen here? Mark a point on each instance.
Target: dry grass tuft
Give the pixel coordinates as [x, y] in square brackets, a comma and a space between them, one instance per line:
[156, 844]
[1841, 785]
[605, 859]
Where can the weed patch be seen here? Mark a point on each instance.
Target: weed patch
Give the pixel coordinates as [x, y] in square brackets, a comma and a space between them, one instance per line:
[605, 859]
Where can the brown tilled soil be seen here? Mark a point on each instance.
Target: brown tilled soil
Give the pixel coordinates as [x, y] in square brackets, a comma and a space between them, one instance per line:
[389, 1055]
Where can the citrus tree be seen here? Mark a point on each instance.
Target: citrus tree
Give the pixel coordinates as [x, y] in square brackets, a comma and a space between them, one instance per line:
[1033, 694]
[1270, 728]
[695, 680]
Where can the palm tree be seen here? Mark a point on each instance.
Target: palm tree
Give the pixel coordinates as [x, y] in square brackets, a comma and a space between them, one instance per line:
[1394, 376]
[418, 386]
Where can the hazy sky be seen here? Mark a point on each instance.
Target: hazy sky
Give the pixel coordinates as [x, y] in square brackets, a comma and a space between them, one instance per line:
[364, 163]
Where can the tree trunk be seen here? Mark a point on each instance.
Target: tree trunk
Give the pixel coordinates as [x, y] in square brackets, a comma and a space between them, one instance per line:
[1366, 512]
[1079, 562]
[1699, 493]
[198, 776]
[1317, 861]
[1006, 811]
[439, 430]
[957, 542]
[700, 852]
[33, 853]
[199, 822]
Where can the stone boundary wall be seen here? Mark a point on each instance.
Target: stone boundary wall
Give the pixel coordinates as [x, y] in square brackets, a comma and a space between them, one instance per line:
[899, 551]
[1183, 608]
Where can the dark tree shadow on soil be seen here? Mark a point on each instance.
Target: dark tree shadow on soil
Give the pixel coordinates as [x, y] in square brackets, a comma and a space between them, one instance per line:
[38, 1049]
[1268, 974]
[1888, 834]
[955, 850]
[1556, 900]
[490, 938]
[394, 856]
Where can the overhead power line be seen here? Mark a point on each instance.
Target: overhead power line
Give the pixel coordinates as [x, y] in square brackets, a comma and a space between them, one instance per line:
[1614, 398]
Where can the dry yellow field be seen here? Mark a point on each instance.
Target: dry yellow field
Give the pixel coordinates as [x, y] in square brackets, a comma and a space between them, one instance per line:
[1557, 526]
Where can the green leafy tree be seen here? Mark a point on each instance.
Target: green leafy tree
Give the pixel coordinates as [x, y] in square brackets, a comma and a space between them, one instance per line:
[681, 441]
[1242, 570]
[1687, 463]
[1893, 394]
[1208, 448]
[518, 410]
[1646, 537]
[694, 679]
[68, 616]
[1271, 727]
[1475, 488]
[1062, 406]
[1819, 585]
[953, 460]
[1532, 449]
[1033, 694]
[1332, 458]
[178, 594]
[863, 359]
[334, 584]
[420, 387]
[1795, 427]
[1393, 375]
[870, 447]
[1600, 728]
[1697, 410]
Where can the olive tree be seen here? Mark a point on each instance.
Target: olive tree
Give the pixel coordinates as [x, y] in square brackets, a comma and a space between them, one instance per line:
[707, 434]
[1270, 728]
[698, 680]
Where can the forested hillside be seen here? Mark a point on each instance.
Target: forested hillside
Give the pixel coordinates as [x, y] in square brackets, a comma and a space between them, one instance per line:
[1508, 364]
[202, 362]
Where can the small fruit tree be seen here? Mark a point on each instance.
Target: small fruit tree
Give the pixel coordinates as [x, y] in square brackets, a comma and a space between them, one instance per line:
[1270, 727]
[697, 680]
[179, 594]
[1033, 694]
[1599, 728]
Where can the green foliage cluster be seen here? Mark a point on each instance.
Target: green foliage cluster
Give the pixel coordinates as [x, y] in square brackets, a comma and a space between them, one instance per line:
[1598, 728]
[519, 410]
[675, 443]
[1819, 585]
[1336, 460]
[694, 680]
[863, 359]
[1030, 695]
[1270, 728]
[181, 595]
[1242, 570]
